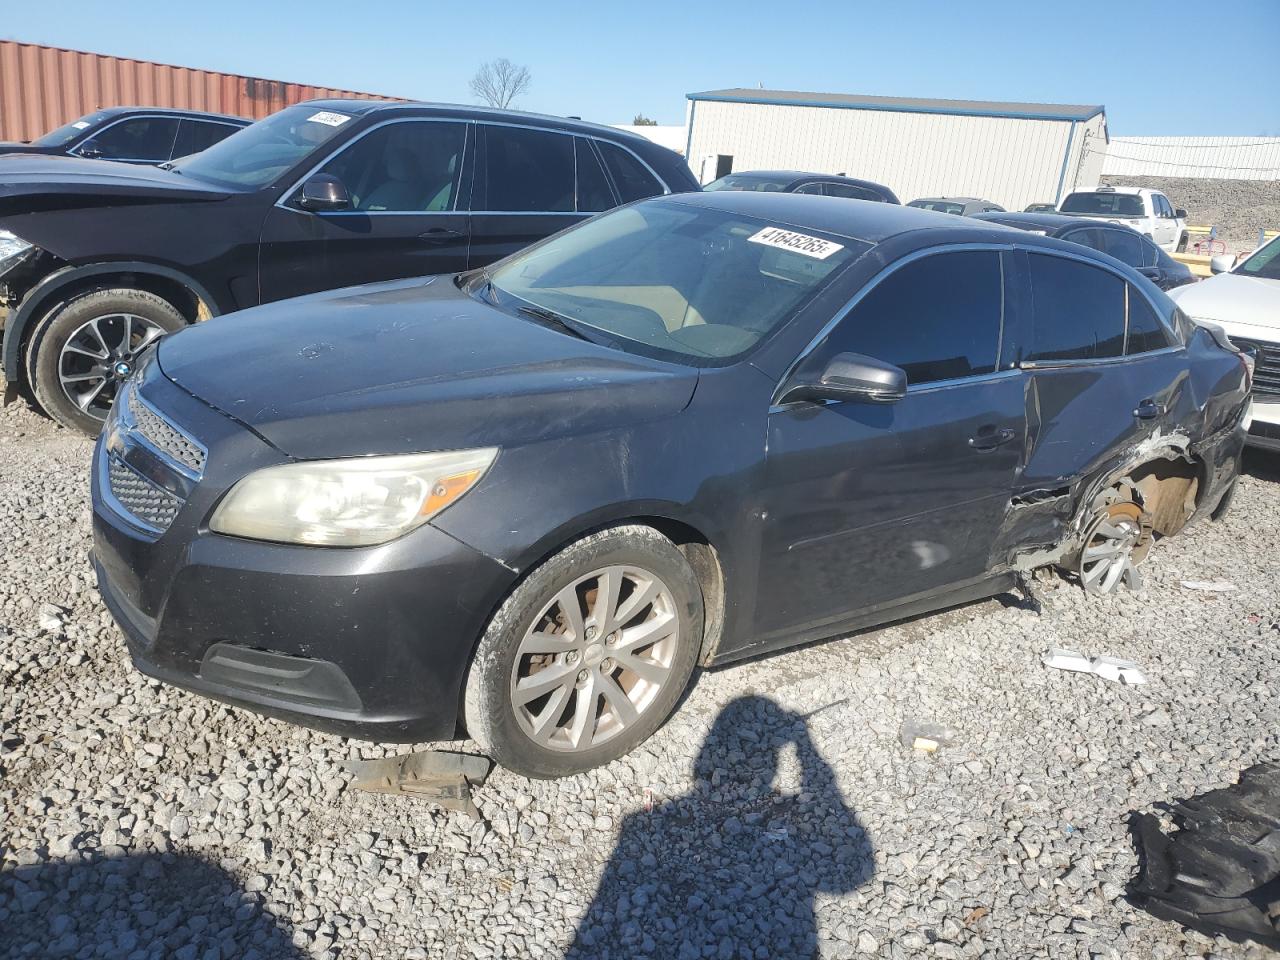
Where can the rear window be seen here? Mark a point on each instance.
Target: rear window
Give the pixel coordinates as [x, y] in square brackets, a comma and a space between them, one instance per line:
[941, 206]
[1079, 311]
[746, 181]
[1104, 204]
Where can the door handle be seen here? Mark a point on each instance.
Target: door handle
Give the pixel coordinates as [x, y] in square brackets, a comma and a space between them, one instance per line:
[989, 438]
[1149, 410]
[441, 235]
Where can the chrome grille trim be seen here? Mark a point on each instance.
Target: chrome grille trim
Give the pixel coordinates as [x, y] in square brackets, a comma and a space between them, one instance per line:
[1266, 370]
[146, 504]
[164, 437]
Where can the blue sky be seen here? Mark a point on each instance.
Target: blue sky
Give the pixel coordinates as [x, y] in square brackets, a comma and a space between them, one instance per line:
[1173, 67]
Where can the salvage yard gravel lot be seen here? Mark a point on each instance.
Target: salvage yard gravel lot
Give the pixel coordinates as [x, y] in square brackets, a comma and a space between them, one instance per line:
[138, 820]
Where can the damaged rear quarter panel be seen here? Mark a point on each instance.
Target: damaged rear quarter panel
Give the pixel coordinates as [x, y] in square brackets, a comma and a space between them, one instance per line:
[1083, 435]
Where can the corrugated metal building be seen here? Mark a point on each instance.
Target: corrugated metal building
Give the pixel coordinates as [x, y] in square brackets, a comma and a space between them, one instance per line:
[1198, 158]
[44, 87]
[1012, 153]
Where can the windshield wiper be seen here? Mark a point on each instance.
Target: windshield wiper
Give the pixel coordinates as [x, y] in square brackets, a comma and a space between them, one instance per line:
[552, 318]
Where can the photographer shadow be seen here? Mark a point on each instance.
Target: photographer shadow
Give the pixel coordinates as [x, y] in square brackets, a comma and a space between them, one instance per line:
[731, 869]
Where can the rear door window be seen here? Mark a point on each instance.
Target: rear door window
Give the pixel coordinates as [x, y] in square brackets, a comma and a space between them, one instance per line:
[937, 318]
[1124, 245]
[630, 176]
[594, 192]
[526, 171]
[1087, 237]
[197, 135]
[1146, 332]
[1079, 311]
[138, 138]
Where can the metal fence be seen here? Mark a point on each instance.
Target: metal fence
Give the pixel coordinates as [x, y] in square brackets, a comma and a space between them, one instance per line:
[44, 87]
[1205, 158]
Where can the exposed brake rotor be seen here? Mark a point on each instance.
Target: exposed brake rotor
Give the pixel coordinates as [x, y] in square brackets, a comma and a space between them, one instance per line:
[1115, 542]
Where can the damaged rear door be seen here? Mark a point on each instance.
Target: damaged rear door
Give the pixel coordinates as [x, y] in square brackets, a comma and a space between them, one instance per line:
[1105, 377]
[867, 504]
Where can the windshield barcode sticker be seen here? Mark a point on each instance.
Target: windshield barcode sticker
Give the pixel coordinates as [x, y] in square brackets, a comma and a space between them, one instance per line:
[330, 119]
[802, 243]
[80, 124]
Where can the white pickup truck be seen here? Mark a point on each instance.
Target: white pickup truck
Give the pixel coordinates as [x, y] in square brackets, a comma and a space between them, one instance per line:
[1147, 211]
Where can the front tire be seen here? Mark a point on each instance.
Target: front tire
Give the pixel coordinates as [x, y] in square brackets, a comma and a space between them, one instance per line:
[588, 656]
[81, 352]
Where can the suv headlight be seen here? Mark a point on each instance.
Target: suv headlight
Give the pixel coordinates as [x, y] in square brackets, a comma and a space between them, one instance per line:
[348, 503]
[13, 250]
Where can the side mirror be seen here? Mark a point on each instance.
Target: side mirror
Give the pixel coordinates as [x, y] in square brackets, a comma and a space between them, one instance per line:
[1222, 263]
[849, 376]
[1180, 214]
[324, 192]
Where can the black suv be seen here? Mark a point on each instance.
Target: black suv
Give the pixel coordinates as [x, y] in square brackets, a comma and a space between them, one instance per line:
[134, 135]
[99, 259]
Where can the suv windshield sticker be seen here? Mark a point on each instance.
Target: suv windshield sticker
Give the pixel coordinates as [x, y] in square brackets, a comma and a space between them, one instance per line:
[80, 124]
[814, 247]
[330, 119]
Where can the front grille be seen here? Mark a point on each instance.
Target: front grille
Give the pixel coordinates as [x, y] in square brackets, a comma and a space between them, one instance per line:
[165, 437]
[1266, 370]
[140, 498]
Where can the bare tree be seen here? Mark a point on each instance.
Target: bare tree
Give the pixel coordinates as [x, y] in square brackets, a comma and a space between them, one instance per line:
[499, 82]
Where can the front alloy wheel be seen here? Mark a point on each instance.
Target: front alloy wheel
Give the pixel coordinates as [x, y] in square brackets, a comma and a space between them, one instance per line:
[101, 355]
[587, 656]
[595, 659]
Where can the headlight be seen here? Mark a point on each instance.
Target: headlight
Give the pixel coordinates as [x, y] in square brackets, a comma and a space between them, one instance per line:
[348, 503]
[12, 250]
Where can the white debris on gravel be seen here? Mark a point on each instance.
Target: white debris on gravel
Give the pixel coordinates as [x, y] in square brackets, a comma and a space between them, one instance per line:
[137, 820]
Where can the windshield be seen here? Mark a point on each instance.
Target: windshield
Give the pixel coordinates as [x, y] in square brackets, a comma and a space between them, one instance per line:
[747, 181]
[942, 206]
[69, 131]
[1104, 204]
[676, 280]
[256, 155]
[1264, 263]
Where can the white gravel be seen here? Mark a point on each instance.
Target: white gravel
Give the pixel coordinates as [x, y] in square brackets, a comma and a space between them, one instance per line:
[141, 821]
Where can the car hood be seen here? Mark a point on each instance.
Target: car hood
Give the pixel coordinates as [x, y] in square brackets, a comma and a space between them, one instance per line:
[34, 182]
[411, 366]
[1236, 301]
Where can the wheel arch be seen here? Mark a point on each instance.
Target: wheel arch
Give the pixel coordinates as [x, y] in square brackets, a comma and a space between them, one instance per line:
[191, 298]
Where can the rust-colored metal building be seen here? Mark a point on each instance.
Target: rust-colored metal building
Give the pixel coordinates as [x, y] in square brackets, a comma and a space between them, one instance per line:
[44, 87]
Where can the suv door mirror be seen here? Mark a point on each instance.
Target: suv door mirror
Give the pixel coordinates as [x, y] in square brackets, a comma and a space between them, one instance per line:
[849, 376]
[1180, 214]
[324, 192]
[1222, 263]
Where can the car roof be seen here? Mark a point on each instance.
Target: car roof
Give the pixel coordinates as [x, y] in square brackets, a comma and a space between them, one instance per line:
[1041, 221]
[951, 200]
[360, 107]
[175, 112]
[856, 219]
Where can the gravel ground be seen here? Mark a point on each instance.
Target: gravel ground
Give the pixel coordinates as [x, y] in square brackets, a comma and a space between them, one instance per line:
[776, 815]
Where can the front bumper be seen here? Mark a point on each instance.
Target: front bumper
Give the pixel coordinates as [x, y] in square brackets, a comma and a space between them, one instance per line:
[369, 642]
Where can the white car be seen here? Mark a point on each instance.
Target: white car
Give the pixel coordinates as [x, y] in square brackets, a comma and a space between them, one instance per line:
[1147, 211]
[1245, 302]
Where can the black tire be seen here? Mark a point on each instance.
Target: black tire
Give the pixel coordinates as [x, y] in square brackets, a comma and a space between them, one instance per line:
[488, 710]
[44, 348]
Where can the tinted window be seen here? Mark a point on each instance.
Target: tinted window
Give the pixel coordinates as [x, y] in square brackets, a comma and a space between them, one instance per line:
[810, 188]
[1154, 256]
[1146, 332]
[937, 318]
[942, 206]
[749, 181]
[1124, 245]
[402, 167]
[142, 138]
[850, 191]
[633, 181]
[197, 135]
[526, 170]
[1104, 204]
[1079, 311]
[1086, 238]
[1264, 263]
[594, 193]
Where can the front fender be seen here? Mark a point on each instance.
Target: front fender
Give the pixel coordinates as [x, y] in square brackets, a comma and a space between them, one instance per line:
[46, 294]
